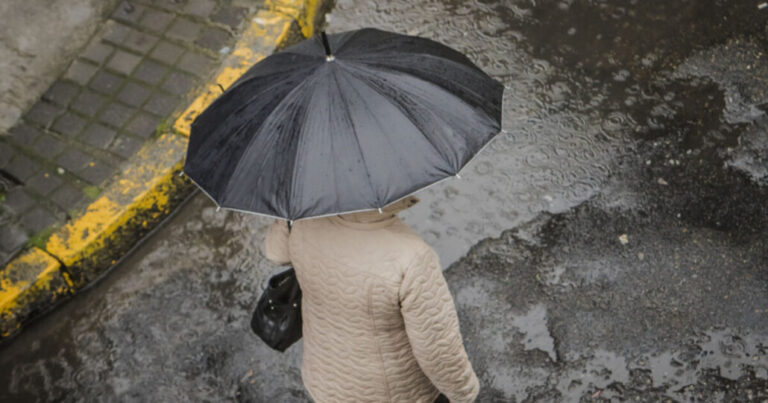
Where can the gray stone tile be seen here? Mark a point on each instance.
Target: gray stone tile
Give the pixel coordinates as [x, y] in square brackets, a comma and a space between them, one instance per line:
[7, 152]
[38, 219]
[116, 33]
[116, 114]
[18, 200]
[24, 134]
[125, 146]
[178, 83]
[128, 11]
[213, 39]
[173, 5]
[48, 146]
[61, 92]
[69, 125]
[98, 135]
[143, 125]
[67, 197]
[200, 8]
[44, 182]
[12, 238]
[134, 94]
[195, 63]
[232, 16]
[96, 172]
[74, 160]
[97, 51]
[123, 62]
[140, 42]
[106, 83]
[22, 167]
[156, 21]
[184, 30]
[150, 72]
[88, 102]
[43, 113]
[80, 72]
[161, 105]
[167, 52]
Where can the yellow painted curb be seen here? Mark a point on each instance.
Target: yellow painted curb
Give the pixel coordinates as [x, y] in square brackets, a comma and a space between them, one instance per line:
[146, 191]
[303, 11]
[267, 31]
[31, 282]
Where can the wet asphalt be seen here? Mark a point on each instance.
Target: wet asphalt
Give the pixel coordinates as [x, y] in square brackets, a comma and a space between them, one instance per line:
[611, 245]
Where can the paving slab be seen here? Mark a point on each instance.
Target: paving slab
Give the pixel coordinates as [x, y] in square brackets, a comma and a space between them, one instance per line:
[38, 40]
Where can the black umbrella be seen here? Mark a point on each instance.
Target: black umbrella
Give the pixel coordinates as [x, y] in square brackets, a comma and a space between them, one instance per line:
[348, 122]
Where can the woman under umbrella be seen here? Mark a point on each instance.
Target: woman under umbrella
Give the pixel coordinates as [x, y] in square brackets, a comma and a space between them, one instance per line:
[379, 321]
[342, 129]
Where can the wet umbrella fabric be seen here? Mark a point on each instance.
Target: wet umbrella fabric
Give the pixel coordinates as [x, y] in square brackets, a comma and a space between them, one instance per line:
[364, 121]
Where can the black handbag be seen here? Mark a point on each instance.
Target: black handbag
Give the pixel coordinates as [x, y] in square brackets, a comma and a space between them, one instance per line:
[277, 318]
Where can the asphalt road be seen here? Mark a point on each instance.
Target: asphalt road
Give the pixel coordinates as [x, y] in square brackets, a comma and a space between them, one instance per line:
[612, 245]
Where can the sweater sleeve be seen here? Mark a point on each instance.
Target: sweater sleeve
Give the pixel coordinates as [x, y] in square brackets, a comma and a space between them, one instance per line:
[276, 243]
[432, 326]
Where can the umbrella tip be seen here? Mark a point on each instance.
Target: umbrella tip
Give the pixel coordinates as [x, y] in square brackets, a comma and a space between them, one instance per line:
[380, 211]
[328, 56]
[458, 176]
[218, 208]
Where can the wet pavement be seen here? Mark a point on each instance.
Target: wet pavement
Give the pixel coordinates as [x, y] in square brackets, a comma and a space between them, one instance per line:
[611, 245]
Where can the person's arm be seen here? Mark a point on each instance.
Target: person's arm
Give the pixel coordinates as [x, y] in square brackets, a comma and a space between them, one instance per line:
[276, 243]
[433, 329]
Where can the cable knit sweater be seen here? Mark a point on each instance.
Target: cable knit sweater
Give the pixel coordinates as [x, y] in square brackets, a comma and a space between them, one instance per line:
[379, 323]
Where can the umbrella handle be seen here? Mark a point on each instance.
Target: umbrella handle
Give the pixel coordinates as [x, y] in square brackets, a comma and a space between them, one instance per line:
[325, 43]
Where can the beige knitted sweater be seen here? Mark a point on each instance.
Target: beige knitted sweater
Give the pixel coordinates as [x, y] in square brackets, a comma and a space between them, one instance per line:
[379, 323]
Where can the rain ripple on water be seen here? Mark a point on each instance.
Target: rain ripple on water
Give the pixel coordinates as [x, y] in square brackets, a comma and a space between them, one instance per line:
[549, 157]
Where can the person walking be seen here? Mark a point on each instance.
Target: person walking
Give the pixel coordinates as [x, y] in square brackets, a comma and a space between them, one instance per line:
[379, 322]
[354, 121]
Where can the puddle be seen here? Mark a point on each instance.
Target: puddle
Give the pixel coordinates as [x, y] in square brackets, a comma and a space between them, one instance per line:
[536, 336]
[584, 82]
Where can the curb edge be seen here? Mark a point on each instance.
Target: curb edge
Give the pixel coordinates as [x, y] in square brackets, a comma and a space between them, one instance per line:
[148, 189]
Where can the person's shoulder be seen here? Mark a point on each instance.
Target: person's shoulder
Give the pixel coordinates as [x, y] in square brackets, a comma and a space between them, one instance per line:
[414, 245]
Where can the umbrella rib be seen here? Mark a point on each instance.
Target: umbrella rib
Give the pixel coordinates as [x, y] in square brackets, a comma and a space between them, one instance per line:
[379, 61]
[250, 141]
[301, 136]
[269, 87]
[350, 36]
[242, 127]
[357, 139]
[394, 55]
[245, 105]
[403, 111]
[363, 81]
[251, 78]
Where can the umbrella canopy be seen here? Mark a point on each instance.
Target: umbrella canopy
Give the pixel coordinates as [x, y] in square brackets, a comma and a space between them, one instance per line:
[348, 122]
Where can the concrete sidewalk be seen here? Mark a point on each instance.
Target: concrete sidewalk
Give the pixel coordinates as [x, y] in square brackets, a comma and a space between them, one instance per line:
[91, 167]
[38, 40]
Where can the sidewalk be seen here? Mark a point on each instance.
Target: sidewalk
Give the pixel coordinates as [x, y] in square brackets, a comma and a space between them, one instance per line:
[91, 166]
